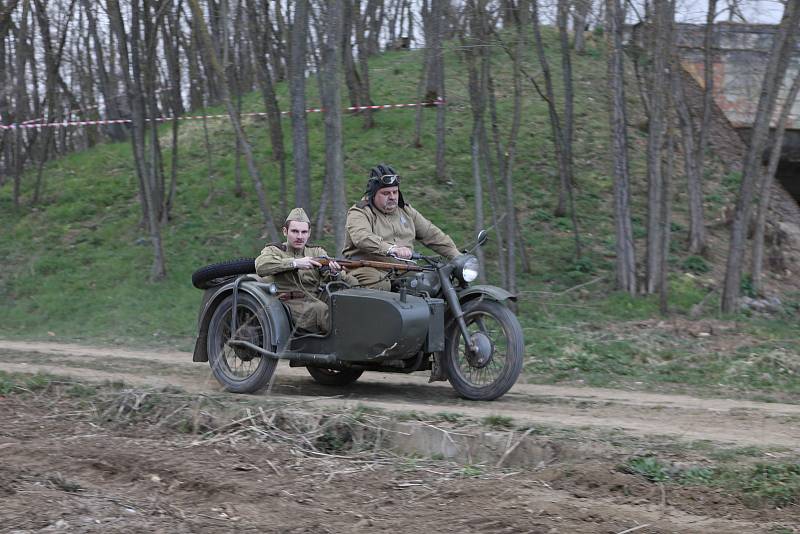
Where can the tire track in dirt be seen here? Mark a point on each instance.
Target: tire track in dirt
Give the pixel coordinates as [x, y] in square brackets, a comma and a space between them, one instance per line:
[682, 417]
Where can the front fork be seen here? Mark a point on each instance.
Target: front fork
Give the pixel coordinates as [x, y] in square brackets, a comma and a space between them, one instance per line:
[451, 297]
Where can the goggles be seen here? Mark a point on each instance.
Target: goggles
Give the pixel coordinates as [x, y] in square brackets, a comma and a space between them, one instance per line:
[389, 179]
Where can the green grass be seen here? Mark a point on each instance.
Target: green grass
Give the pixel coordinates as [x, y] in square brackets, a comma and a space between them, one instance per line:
[76, 267]
[498, 421]
[763, 484]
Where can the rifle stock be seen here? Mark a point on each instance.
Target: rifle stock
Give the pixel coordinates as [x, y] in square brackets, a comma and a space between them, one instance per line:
[382, 265]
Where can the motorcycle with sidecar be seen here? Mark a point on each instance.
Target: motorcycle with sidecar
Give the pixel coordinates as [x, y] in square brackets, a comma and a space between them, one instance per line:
[433, 319]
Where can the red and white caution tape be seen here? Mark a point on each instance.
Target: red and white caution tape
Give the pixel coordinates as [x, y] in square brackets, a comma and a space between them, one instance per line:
[67, 124]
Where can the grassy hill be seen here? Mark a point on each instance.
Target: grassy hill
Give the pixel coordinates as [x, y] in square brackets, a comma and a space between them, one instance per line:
[76, 266]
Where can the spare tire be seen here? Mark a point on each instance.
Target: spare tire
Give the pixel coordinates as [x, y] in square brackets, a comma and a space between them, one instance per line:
[214, 274]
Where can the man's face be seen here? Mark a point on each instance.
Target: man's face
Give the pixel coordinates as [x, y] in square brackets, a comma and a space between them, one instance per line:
[296, 234]
[386, 199]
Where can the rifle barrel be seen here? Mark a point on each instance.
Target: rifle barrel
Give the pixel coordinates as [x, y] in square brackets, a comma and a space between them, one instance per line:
[384, 265]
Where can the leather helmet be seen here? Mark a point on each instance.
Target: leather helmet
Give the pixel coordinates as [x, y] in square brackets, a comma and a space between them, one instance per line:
[381, 176]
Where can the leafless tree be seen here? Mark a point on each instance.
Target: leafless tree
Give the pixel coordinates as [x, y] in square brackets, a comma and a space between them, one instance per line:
[697, 232]
[782, 48]
[147, 168]
[562, 134]
[625, 264]
[297, 91]
[363, 59]
[476, 32]
[331, 103]
[581, 11]
[219, 72]
[765, 187]
[435, 82]
[659, 79]
[565, 180]
[258, 17]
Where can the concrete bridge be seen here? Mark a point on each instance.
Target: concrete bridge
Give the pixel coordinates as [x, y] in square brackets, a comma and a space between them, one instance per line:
[739, 57]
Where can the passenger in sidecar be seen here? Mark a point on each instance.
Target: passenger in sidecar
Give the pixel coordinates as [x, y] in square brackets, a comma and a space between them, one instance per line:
[292, 267]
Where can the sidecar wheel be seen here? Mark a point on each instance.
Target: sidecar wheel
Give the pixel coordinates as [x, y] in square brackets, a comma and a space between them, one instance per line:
[211, 275]
[239, 369]
[334, 377]
[489, 373]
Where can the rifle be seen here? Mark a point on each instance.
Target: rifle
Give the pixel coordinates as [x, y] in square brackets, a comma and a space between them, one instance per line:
[382, 265]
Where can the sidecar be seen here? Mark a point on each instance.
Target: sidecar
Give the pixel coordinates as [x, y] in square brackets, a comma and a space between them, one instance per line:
[370, 330]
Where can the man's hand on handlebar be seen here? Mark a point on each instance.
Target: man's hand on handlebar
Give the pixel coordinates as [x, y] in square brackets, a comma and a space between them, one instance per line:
[403, 253]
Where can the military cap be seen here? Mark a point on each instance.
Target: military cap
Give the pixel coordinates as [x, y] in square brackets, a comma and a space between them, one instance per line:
[297, 214]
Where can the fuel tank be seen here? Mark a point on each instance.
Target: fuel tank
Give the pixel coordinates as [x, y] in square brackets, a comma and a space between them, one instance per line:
[370, 325]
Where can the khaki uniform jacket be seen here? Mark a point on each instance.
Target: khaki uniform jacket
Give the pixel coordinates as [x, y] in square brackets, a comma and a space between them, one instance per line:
[275, 263]
[370, 232]
[308, 312]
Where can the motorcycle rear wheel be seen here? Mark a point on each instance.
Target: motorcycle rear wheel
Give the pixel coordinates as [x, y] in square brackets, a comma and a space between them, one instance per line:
[491, 374]
[239, 369]
[334, 377]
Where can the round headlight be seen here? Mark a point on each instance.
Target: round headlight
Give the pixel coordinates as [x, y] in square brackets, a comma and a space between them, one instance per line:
[471, 269]
[466, 267]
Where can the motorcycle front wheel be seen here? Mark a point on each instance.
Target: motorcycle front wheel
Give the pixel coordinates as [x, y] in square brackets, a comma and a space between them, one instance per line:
[240, 369]
[491, 370]
[334, 377]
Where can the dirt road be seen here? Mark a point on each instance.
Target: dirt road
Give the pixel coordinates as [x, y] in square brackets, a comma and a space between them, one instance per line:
[61, 471]
[638, 413]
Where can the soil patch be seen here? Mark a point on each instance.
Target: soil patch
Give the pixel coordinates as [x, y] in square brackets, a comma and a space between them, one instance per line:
[90, 458]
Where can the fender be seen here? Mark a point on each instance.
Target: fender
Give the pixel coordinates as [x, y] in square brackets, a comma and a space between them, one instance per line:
[492, 292]
[280, 329]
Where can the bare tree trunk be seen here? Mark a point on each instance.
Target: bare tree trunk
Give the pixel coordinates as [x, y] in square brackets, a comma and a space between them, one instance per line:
[410, 21]
[478, 185]
[171, 29]
[436, 85]
[5, 17]
[297, 90]
[511, 216]
[765, 188]
[132, 77]
[697, 232]
[331, 102]
[363, 63]
[625, 265]
[567, 127]
[423, 77]
[214, 64]
[115, 131]
[549, 97]
[708, 88]
[212, 189]
[655, 142]
[376, 13]
[782, 48]
[582, 8]
[196, 78]
[472, 57]
[268, 95]
[480, 94]
[152, 20]
[350, 74]
[665, 213]
[278, 39]
[24, 52]
[6, 117]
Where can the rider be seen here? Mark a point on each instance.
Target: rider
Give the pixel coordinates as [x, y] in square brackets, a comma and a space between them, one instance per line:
[295, 271]
[382, 224]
